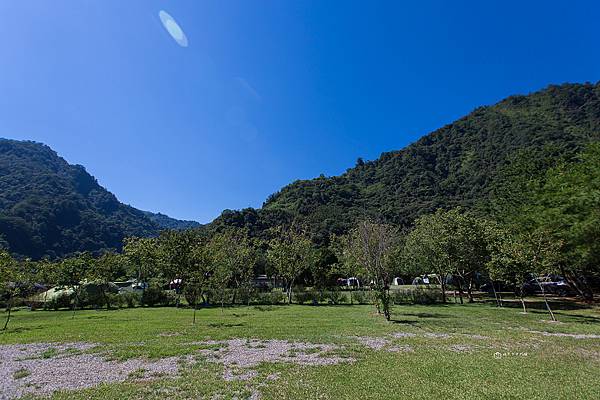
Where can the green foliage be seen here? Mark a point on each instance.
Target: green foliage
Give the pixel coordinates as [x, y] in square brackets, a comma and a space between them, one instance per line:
[154, 296]
[51, 208]
[290, 253]
[467, 163]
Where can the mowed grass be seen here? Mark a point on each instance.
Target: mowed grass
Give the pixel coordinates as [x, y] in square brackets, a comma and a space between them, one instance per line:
[460, 359]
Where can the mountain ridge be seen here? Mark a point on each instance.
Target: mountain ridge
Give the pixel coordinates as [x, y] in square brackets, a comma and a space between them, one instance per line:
[459, 164]
[51, 208]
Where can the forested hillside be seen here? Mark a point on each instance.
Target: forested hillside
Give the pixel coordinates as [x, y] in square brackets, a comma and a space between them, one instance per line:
[166, 222]
[51, 208]
[466, 163]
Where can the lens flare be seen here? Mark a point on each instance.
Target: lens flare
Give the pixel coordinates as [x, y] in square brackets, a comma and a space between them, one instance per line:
[173, 28]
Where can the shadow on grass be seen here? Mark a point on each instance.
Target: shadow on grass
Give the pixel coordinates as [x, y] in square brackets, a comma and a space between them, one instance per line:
[538, 304]
[21, 329]
[224, 325]
[427, 315]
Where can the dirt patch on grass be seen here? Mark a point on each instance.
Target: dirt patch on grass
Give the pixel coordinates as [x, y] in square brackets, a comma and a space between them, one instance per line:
[246, 353]
[402, 335]
[375, 343]
[381, 343]
[571, 335]
[42, 368]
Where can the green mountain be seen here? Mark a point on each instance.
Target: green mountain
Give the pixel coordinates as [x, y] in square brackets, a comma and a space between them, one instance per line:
[166, 222]
[51, 208]
[465, 163]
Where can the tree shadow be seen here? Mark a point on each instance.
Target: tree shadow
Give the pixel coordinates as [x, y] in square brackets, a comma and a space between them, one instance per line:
[427, 315]
[224, 325]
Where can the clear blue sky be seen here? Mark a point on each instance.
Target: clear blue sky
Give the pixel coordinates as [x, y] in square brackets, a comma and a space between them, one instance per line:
[267, 91]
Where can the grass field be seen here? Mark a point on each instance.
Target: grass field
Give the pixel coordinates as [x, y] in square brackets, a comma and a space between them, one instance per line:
[471, 351]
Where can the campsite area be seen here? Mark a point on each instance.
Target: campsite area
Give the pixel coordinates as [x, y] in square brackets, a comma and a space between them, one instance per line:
[302, 351]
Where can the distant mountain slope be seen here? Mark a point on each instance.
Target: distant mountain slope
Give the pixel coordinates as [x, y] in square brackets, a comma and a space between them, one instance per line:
[51, 208]
[459, 164]
[166, 222]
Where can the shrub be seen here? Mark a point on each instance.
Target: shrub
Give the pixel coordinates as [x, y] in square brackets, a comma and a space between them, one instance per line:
[277, 297]
[245, 295]
[302, 297]
[219, 296]
[361, 297]
[131, 299]
[154, 296]
[334, 296]
[417, 295]
[115, 300]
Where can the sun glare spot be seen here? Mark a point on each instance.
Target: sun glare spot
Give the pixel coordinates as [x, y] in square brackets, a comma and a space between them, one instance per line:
[173, 28]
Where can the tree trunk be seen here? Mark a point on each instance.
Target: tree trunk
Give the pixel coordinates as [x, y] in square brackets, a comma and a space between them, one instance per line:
[106, 300]
[522, 300]
[470, 291]
[75, 302]
[194, 322]
[495, 294]
[235, 289]
[546, 300]
[580, 287]
[289, 291]
[460, 290]
[385, 300]
[9, 309]
[443, 285]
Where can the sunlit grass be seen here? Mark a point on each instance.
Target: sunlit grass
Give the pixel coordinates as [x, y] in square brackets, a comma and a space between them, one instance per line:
[465, 364]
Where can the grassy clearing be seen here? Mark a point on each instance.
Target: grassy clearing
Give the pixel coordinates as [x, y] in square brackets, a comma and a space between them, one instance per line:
[452, 351]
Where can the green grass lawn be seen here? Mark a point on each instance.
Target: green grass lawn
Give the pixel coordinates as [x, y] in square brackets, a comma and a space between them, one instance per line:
[463, 364]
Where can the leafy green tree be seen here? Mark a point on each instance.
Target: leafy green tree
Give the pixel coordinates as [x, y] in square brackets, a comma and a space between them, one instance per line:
[72, 272]
[568, 208]
[518, 256]
[449, 243]
[10, 278]
[428, 248]
[234, 254]
[370, 246]
[196, 280]
[142, 257]
[106, 269]
[174, 254]
[290, 253]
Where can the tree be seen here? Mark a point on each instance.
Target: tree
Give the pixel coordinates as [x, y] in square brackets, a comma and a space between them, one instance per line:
[174, 254]
[105, 270]
[509, 262]
[448, 243]
[516, 256]
[470, 253]
[370, 245]
[9, 282]
[235, 256]
[290, 253]
[428, 248]
[196, 279]
[141, 255]
[72, 272]
[567, 208]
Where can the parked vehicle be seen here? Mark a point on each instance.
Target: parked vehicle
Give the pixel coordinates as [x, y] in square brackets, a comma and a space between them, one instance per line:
[552, 284]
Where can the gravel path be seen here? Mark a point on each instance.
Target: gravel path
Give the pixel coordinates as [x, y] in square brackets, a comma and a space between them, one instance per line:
[248, 353]
[43, 368]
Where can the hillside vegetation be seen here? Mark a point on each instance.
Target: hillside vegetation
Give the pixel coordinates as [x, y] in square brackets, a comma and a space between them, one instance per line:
[51, 208]
[467, 163]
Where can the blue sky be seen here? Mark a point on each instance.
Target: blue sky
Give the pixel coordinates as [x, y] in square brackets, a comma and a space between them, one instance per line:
[266, 91]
